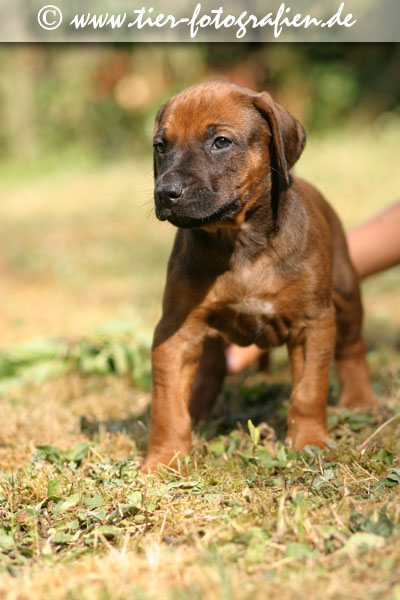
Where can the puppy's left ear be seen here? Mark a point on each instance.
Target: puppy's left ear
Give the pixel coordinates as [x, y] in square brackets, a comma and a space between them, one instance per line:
[159, 116]
[288, 135]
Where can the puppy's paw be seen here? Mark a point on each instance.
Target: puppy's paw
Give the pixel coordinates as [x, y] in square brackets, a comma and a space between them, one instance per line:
[364, 399]
[162, 459]
[150, 465]
[307, 432]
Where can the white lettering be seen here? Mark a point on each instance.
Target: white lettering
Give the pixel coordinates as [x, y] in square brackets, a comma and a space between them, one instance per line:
[216, 19]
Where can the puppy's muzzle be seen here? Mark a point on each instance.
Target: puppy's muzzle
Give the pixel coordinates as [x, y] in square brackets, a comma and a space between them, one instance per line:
[168, 193]
[191, 205]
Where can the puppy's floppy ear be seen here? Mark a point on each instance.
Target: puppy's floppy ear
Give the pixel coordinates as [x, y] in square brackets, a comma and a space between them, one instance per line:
[288, 134]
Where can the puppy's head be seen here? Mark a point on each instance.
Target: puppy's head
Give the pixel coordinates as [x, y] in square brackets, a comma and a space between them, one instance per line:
[218, 149]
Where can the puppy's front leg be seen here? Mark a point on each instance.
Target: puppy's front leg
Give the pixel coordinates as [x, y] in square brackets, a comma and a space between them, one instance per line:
[310, 361]
[175, 357]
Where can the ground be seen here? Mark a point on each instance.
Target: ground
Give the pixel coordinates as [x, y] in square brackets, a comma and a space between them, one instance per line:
[81, 248]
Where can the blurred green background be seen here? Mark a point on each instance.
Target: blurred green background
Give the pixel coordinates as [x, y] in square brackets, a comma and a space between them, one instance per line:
[100, 100]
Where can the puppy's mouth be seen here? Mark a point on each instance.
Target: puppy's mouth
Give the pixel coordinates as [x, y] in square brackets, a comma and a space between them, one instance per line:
[221, 214]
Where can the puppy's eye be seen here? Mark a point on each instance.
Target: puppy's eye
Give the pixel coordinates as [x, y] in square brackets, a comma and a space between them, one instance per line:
[222, 142]
[159, 147]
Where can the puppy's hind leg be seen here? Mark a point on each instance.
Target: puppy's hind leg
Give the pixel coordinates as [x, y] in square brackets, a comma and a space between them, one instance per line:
[350, 356]
[209, 378]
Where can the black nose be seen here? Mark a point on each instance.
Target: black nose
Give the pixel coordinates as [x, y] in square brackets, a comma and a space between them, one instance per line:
[169, 191]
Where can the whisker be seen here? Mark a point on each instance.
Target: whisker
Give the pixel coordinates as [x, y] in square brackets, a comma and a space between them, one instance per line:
[150, 213]
[149, 202]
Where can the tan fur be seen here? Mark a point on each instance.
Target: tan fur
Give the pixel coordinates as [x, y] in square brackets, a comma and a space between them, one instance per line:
[277, 271]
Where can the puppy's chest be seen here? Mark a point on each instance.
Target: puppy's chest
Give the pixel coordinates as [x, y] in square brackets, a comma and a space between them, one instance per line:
[255, 307]
[256, 314]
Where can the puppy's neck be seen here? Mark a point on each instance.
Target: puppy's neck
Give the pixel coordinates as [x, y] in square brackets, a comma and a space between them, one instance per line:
[264, 225]
[280, 238]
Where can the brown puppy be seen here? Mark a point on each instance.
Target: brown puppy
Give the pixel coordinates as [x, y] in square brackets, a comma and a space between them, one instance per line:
[259, 257]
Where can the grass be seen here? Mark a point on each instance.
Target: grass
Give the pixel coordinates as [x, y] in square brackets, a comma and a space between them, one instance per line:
[250, 518]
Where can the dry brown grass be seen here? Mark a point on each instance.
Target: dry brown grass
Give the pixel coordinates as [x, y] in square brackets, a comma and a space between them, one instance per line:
[159, 572]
